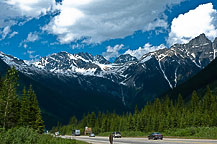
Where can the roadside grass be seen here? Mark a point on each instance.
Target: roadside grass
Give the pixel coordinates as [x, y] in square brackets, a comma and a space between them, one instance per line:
[190, 132]
[23, 135]
[48, 139]
[193, 132]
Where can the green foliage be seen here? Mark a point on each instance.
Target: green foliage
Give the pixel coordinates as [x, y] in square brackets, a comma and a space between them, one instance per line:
[47, 139]
[35, 114]
[24, 109]
[193, 132]
[9, 104]
[18, 111]
[19, 136]
[23, 135]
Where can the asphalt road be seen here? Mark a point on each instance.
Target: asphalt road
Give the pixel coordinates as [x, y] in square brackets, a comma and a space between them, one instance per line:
[105, 140]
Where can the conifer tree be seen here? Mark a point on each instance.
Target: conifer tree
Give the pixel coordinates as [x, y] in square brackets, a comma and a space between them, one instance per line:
[9, 108]
[194, 101]
[1, 101]
[180, 102]
[209, 107]
[25, 109]
[73, 122]
[36, 121]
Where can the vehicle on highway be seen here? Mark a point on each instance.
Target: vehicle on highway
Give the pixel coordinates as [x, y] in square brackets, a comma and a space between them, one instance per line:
[116, 134]
[76, 132]
[92, 135]
[155, 136]
[57, 133]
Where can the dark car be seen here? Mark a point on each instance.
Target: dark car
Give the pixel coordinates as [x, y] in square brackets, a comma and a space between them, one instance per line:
[116, 134]
[155, 136]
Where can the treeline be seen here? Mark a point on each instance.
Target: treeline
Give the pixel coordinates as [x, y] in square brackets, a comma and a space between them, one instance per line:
[157, 116]
[18, 110]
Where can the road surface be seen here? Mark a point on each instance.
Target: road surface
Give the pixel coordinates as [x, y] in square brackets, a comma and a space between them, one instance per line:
[105, 140]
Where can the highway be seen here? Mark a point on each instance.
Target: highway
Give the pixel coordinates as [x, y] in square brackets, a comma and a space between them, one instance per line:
[127, 140]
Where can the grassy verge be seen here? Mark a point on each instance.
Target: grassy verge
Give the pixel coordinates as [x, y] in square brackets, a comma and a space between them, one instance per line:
[29, 136]
[191, 132]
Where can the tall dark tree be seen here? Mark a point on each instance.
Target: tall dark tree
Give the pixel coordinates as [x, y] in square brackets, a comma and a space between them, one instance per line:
[194, 101]
[73, 122]
[9, 108]
[25, 109]
[180, 102]
[36, 121]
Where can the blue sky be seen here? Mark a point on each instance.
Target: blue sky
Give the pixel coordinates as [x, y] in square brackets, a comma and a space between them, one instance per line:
[36, 28]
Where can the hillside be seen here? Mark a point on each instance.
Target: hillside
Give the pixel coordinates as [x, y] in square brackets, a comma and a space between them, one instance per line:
[199, 82]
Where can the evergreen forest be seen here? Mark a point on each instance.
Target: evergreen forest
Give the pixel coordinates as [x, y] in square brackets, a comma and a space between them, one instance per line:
[160, 115]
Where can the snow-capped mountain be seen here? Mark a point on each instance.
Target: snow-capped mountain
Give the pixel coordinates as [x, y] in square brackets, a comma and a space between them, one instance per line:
[85, 83]
[148, 77]
[125, 58]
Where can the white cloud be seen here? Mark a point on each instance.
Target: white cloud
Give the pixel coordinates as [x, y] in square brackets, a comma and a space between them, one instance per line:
[112, 52]
[5, 32]
[78, 46]
[30, 8]
[25, 45]
[138, 53]
[10, 10]
[191, 24]
[13, 34]
[32, 37]
[101, 20]
[31, 55]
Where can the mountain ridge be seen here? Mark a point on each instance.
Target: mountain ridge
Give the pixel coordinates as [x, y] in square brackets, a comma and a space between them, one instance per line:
[128, 81]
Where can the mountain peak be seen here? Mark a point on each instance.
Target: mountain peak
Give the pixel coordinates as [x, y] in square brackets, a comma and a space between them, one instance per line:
[201, 39]
[125, 58]
[100, 59]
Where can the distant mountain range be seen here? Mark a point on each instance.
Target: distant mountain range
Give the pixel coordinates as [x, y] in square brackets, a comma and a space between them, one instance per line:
[73, 84]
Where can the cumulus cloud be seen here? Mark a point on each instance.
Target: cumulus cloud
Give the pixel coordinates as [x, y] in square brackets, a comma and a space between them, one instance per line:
[13, 34]
[11, 10]
[5, 32]
[138, 53]
[112, 52]
[32, 37]
[101, 20]
[191, 24]
[32, 56]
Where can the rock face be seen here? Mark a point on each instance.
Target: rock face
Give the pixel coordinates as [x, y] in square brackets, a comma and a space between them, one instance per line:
[125, 58]
[128, 80]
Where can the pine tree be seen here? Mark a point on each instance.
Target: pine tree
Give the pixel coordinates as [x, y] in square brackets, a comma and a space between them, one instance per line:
[1, 101]
[180, 102]
[194, 101]
[36, 121]
[25, 110]
[209, 107]
[9, 108]
[92, 120]
[1, 81]
[73, 122]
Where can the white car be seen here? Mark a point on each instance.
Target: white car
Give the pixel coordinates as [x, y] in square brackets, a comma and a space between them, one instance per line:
[92, 135]
[116, 134]
[57, 133]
